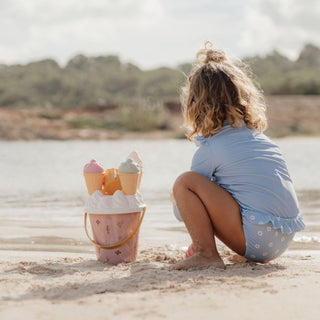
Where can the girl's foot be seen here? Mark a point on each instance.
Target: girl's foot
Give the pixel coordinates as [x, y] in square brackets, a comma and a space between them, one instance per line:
[196, 261]
[237, 258]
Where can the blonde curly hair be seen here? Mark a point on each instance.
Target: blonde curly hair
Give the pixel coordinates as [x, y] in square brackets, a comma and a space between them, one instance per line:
[218, 90]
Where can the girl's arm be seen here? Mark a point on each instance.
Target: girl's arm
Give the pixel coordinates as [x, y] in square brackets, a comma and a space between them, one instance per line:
[203, 162]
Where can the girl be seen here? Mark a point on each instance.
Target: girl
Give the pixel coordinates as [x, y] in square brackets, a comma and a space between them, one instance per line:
[239, 189]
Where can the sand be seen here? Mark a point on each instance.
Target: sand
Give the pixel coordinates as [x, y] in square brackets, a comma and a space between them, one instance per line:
[53, 285]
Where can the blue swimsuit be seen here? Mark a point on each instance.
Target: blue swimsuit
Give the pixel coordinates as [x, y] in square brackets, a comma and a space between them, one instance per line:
[251, 168]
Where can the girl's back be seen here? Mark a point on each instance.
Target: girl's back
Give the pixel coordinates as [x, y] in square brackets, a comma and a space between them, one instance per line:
[251, 168]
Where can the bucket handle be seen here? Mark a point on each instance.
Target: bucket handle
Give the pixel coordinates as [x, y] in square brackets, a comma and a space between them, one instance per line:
[120, 243]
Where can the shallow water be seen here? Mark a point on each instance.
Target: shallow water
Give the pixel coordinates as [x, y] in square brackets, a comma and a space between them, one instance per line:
[42, 190]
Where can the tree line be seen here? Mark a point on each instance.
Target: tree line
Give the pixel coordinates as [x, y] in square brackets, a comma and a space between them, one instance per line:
[106, 81]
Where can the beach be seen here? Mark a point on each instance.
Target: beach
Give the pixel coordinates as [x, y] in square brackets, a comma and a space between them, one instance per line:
[73, 286]
[48, 268]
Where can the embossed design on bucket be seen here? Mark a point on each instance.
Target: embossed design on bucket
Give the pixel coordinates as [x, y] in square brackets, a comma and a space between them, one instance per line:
[115, 236]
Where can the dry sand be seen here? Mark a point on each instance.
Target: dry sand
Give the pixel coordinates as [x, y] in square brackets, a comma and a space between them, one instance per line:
[47, 285]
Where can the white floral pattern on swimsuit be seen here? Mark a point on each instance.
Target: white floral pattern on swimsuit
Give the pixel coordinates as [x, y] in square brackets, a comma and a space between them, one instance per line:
[263, 242]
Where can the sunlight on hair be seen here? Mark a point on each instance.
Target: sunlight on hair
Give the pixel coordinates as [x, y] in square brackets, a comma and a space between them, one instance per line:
[217, 90]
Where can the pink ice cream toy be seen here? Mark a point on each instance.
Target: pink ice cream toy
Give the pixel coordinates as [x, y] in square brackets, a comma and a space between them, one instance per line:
[93, 167]
[94, 174]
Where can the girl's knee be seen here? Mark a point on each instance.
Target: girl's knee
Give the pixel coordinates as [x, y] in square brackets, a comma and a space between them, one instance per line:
[184, 181]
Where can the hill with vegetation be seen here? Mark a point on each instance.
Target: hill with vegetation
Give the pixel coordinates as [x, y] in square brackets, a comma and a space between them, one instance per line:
[84, 81]
[276, 74]
[107, 82]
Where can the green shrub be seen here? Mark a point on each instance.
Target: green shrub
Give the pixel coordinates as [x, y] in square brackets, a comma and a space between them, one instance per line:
[50, 115]
[94, 123]
[144, 117]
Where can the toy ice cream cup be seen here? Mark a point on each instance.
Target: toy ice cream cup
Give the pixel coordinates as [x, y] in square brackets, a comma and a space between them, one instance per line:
[94, 174]
[135, 158]
[129, 174]
[139, 179]
[129, 182]
[94, 181]
[115, 223]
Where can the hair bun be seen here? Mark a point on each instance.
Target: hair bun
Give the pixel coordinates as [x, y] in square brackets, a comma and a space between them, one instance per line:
[208, 54]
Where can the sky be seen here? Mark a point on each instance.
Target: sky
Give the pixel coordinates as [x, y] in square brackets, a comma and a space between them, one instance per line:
[154, 33]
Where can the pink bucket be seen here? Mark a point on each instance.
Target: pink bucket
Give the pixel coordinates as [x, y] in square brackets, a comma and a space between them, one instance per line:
[115, 235]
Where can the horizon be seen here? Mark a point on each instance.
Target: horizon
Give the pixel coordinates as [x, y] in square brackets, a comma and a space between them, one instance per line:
[153, 33]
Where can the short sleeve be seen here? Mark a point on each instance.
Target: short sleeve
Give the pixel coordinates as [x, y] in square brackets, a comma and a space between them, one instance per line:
[203, 162]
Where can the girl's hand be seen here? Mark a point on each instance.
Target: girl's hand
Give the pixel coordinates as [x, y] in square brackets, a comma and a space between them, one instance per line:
[173, 200]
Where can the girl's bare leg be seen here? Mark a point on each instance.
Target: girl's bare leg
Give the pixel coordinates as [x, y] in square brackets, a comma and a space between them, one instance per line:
[207, 211]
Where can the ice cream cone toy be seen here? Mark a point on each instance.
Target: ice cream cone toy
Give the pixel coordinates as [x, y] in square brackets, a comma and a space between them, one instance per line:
[129, 183]
[129, 173]
[139, 179]
[94, 174]
[135, 158]
[111, 181]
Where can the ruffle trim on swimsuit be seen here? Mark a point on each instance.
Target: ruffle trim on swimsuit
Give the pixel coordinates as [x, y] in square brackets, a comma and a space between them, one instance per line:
[287, 225]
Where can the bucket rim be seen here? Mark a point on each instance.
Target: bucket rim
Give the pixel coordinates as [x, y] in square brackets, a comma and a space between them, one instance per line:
[116, 210]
